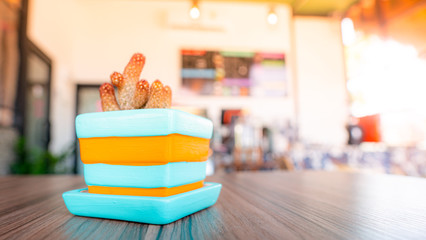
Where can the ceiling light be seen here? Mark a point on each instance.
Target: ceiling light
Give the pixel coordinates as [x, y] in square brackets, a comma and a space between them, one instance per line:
[194, 12]
[348, 31]
[272, 17]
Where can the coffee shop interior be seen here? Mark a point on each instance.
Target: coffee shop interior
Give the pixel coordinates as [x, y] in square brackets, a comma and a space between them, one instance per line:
[289, 85]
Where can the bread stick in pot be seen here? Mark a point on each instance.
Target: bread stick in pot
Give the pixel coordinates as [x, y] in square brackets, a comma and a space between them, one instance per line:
[141, 94]
[156, 98]
[167, 96]
[109, 103]
[127, 84]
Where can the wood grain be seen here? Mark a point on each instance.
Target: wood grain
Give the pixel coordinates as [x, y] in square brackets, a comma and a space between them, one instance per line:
[252, 205]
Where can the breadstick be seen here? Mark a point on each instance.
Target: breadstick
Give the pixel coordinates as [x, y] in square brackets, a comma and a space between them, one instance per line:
[117, 79]
[155, 99]
[109, 103]
[131, 74]
[132, 93]
[141, 94]
[167, 96]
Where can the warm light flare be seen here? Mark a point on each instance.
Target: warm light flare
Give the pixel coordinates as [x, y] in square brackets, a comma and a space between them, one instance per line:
[388, 78]
[194, 12]
[272, 17]
[348, 31]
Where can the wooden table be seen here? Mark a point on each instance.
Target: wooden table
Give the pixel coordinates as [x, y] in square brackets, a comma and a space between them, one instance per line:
[252, 205]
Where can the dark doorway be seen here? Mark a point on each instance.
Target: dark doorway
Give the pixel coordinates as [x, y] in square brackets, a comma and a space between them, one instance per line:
[37, 98]
[88, 100]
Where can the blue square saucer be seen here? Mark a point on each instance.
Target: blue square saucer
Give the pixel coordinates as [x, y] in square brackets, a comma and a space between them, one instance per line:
[152, 210]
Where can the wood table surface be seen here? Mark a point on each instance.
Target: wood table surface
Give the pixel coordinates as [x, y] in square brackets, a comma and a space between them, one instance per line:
[252, 205]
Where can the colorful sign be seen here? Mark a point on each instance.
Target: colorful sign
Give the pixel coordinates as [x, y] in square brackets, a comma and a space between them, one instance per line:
[231, 73]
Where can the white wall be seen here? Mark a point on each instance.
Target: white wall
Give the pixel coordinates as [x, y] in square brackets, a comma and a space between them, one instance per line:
[90, 39]
[50, 28]
[322, 98]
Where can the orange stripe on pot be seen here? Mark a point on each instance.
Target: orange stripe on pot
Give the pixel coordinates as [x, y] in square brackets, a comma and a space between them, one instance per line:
[146, 192]
[143, 151]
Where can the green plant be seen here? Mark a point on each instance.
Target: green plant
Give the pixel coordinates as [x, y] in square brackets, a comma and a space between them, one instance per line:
[37, 161]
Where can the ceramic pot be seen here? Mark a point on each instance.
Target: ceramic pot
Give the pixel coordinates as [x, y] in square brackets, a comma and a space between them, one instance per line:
[146, 148]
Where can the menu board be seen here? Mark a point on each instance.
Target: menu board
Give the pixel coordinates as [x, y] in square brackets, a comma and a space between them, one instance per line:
[230, 73]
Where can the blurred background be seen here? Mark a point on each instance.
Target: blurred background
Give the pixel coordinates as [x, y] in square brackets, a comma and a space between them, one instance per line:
[336, 85]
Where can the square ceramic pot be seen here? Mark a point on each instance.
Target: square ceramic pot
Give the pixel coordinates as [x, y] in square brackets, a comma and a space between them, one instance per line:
[146, 148]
